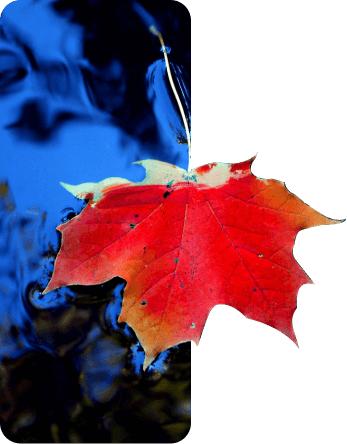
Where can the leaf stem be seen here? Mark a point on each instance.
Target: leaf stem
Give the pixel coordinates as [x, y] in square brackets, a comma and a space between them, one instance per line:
[154, 31]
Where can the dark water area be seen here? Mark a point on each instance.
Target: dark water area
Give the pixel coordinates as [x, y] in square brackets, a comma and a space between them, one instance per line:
[83, 94]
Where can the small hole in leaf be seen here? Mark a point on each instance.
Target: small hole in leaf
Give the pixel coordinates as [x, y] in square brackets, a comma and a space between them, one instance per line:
[166, 194]
[132, 225]
[136, 215]
[143, 303]
[176, 259]
[193, 325]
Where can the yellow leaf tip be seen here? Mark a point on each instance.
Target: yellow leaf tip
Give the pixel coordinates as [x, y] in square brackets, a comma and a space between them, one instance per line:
[334, 221]
[148, 361]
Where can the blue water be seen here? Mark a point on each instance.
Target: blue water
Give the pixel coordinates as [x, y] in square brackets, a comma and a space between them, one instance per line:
[83, 95]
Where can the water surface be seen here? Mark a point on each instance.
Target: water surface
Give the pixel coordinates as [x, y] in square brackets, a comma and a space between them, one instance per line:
[83, 94]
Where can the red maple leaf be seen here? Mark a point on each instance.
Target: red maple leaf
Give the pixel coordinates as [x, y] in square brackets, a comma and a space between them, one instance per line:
[185, 242]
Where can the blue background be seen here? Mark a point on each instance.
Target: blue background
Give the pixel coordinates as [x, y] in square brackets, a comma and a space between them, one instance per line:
[83, 94]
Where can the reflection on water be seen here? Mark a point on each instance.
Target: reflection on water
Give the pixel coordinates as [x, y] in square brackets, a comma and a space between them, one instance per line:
[82, 96]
